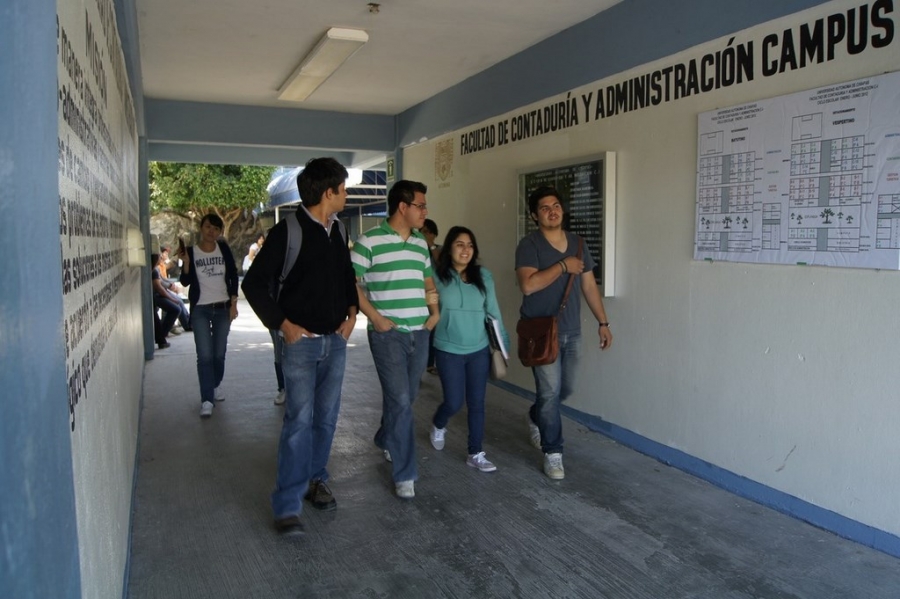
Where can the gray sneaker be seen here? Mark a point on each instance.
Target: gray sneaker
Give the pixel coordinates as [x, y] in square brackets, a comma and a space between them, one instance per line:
[387, 455]
[279, 399]
[406, 489]
[553, 466]
[218, 394]
[206, 409]
[534, 433]
[437, 437]
[477, 460]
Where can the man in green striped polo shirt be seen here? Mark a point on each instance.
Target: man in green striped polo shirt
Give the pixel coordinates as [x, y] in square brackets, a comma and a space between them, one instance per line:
[398, 296]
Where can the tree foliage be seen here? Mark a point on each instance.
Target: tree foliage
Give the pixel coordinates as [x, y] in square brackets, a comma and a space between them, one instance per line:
[192, 190]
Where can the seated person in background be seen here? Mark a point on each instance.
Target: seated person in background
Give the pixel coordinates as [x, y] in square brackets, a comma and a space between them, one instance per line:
[160, 301]
[251, 253]
[167, 300]
[169, 268]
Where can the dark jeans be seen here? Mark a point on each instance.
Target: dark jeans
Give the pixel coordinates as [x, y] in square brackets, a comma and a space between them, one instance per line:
[431, 349]
[158, 335]
[278, 343]
[173, 304]
[464, 377]
[169, 316]
[211, 327]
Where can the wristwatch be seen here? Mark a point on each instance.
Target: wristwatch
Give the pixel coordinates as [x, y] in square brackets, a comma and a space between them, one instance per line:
[604, 324]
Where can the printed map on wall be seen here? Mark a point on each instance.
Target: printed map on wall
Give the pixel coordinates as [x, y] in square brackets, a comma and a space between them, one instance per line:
[807, 178]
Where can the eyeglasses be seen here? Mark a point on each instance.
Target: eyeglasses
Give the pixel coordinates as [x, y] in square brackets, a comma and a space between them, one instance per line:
[422, 207]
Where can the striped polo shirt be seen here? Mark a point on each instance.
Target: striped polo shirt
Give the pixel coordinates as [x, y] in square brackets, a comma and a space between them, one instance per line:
[393, 272]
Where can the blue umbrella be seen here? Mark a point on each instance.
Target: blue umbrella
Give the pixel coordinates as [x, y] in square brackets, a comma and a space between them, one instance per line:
[283, 188]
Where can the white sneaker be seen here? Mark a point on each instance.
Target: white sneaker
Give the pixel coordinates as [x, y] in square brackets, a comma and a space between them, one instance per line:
[437, 437]
[534, 433]
[478, 460]
[206, 409]
[406, 489]
[218, 394]
[387, 455]
[553, 466]
[279, 399]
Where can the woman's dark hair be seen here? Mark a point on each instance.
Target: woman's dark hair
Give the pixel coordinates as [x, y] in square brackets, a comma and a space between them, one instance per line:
[445, 261]
[214, 219]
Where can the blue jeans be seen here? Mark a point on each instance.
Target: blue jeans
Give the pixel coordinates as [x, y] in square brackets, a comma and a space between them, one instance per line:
[278, 343]
[400, 361]
[174, 305]
[463, 376]
[211, 327]
[554, 384]
[169, 316]
[314, 372]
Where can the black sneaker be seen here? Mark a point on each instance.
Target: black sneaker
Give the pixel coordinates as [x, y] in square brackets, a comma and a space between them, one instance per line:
[290, 526]
[319, 495]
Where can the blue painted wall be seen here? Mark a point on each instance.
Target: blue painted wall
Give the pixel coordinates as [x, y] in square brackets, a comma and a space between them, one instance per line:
[39, 557]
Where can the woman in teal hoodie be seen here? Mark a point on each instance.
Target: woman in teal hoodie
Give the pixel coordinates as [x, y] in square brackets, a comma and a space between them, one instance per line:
[462, 353]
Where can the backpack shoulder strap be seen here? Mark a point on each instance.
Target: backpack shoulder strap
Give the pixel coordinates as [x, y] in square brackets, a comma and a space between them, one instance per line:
[292, 249]
[294, 243]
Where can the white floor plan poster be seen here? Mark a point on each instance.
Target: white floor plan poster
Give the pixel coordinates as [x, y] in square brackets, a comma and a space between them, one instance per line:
[808, 178]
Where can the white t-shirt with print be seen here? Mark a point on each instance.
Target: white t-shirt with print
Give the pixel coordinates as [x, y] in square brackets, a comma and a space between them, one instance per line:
[210, 271]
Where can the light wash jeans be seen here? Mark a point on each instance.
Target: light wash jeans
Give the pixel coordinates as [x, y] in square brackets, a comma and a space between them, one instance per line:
[463, 377]
[400, 360]
[314, 373]
[554, 383]
[211, 327]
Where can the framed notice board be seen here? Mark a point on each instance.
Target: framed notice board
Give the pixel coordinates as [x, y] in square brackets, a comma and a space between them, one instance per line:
[588, 189]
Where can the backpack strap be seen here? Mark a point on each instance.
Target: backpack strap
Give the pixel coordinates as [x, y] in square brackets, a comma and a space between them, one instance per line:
[292, 249]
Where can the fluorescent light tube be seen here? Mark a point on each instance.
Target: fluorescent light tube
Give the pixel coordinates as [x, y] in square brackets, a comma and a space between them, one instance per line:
[335, 47]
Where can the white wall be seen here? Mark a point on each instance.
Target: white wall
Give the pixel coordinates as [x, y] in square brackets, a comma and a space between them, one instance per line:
[782, 374]
[102, 302]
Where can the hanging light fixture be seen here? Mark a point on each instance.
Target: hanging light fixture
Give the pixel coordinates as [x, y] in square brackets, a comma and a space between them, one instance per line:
[335, 47]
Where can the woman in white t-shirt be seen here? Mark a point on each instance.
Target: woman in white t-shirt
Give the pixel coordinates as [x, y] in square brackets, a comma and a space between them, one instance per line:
[210, 271]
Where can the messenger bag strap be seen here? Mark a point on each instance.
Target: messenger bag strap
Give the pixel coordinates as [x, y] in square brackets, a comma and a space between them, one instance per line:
[571, 282]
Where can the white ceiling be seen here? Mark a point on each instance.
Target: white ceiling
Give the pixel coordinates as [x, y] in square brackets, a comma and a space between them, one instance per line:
[241, 51]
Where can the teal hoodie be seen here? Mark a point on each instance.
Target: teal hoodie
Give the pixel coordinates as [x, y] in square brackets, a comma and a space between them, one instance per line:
[464, 310]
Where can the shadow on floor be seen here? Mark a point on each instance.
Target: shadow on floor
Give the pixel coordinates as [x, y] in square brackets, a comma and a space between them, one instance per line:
[621, 525]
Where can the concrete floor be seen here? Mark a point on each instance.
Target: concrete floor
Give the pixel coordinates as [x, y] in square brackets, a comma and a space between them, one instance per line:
[621, 525]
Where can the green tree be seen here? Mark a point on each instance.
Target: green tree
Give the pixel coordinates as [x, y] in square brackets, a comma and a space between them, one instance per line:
[192, 190]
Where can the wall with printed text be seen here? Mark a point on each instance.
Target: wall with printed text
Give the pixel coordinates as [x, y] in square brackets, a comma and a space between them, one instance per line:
[98, 205]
